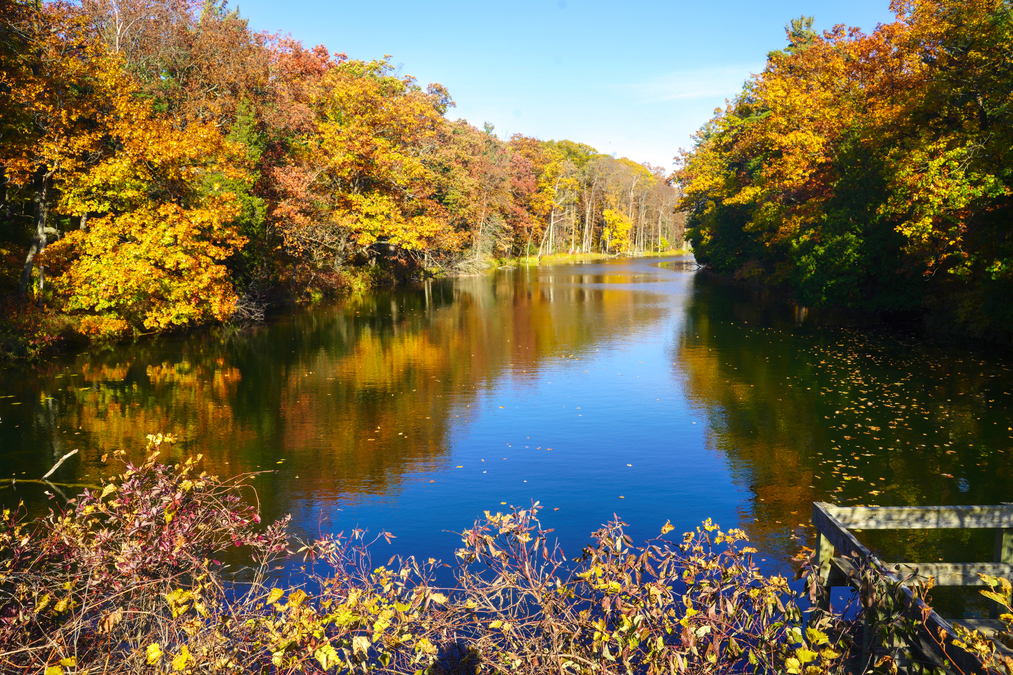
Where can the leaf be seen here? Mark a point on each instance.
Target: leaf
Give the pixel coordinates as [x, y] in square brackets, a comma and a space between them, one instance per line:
[667, 527]
[108, 490]
[438, 598]
[275, 595]
[992, 595]
[805, 655]
[816, 637]
[297, 597]
[360, 644]
[110, 621]
[153, 653]
[179, 663]
[54, 670]
[326, 656]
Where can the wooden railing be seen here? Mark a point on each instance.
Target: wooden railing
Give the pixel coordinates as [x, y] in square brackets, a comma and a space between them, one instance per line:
[834, 525]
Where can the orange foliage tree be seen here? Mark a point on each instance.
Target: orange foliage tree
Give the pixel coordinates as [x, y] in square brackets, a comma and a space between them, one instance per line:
[153, 258]
[363, 178]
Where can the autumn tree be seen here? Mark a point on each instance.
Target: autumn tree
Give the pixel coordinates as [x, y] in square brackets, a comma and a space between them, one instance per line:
[194, 60]
[783, 184]
[362, 183]
[474, 169]
[952, 173]
[154, 254]
[55, 80]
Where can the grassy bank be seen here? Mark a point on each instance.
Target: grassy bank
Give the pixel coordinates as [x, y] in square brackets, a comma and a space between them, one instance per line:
[571, 258]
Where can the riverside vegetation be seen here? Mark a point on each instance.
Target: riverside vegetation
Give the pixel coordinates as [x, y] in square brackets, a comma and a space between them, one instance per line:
[870, 170]
[125, 578]
[163, 167]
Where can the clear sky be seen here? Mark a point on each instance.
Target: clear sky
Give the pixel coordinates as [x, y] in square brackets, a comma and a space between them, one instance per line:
[635, 78]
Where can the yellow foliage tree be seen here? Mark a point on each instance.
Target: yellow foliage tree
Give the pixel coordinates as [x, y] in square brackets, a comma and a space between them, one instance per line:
[153, 255]
[616, 231]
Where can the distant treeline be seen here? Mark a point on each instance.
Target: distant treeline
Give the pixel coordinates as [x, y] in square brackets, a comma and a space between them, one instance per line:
[870, 170]
[165, 166]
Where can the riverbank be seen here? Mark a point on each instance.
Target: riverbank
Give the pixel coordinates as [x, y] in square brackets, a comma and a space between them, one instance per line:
[30, 331]
[574, 258]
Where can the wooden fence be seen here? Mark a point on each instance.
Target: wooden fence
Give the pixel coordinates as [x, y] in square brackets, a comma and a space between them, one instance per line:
[834, 525]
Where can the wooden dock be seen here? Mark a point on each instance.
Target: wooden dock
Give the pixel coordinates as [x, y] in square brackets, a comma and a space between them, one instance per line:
[834, 525]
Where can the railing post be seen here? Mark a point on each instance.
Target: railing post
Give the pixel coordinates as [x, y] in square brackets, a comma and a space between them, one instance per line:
[1003, 554]
[824, 553]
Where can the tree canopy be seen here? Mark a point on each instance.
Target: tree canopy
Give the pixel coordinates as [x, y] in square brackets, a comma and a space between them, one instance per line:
[164, 166]
[869, 170]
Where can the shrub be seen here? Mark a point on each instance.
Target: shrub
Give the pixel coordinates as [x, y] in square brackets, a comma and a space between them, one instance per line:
[128, 579]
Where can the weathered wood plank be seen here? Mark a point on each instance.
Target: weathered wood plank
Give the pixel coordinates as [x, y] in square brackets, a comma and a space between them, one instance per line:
[931, 626]
[929, 630]
[824, 554]
[1003, 554]
[952, 574]
[987, 627]
[922, 517]
[825, 520]
[1003, 545]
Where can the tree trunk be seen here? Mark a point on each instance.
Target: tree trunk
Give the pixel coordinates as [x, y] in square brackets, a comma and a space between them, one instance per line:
[477, 248]
[41, 203]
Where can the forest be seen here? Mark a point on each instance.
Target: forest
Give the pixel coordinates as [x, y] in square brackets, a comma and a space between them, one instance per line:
[870, 170]
[164, 166]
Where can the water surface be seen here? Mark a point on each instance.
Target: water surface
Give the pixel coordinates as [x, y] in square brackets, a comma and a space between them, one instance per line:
[622, 388]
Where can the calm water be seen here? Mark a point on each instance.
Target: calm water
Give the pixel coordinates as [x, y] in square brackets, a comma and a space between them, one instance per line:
[622, 388]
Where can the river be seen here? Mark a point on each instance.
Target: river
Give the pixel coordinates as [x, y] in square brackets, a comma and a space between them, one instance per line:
[636, 388]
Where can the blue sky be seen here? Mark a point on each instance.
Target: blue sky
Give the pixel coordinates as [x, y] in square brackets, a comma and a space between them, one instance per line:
[635, 79]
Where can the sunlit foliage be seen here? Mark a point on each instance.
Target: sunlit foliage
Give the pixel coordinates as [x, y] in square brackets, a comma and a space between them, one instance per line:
[868, 170]
[164, 166]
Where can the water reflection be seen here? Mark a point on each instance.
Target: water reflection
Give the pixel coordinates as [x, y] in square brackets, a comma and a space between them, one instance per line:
[808, 413]
[343, 401]
[623, 388]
